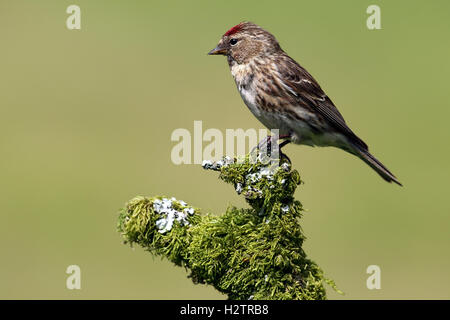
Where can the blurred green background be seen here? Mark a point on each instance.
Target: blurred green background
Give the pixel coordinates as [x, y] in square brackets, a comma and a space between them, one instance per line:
[86, 119]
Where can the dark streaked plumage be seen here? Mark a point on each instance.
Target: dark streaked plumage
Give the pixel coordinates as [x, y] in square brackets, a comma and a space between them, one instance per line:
[284, 96]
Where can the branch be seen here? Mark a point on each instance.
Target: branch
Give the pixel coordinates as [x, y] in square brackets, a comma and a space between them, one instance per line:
[251, 253]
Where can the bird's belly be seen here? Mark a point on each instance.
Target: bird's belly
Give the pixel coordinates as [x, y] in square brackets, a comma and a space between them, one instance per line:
[301, 131]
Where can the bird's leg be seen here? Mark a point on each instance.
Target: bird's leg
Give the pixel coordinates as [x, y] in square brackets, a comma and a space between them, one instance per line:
[262, 152]
[285, 142]
[282, 144]
[266, 144]
[283, 155]
[267, 141]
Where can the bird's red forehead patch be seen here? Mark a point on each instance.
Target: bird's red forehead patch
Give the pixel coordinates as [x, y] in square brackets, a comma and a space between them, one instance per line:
[233, 30]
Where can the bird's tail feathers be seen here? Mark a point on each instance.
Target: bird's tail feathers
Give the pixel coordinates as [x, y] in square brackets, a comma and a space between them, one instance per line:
[373, 162]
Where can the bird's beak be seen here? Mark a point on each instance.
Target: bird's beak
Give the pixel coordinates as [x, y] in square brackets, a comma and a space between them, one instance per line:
[218, 50]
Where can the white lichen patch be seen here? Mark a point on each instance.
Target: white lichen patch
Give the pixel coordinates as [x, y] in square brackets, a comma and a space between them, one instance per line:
[285, 209]
[184, 204]
[249, 191]
[251, 186]
[210, 165]
[207, 164]
[164, 207]
[263, 172]
[286, 166]
[239, 188]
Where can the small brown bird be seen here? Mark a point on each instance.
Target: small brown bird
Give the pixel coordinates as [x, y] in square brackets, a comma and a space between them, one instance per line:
[284, 96]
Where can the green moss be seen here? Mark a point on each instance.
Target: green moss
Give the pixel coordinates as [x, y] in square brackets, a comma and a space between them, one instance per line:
[252, 253]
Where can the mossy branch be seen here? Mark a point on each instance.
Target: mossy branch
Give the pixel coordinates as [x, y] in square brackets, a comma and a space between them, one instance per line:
[251, 253]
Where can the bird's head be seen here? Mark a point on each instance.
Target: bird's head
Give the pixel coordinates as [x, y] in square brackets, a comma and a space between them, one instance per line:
[244, 42]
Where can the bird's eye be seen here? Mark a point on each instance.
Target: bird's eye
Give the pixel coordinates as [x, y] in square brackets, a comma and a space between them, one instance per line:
[233, 41]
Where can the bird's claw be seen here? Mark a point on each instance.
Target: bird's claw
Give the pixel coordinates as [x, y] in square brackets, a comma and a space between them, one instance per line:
[266, 152]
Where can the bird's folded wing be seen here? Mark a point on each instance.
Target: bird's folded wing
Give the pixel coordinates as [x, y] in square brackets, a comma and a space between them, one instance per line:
[307, 91]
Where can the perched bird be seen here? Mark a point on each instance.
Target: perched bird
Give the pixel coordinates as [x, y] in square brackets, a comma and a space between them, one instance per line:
[284, 96]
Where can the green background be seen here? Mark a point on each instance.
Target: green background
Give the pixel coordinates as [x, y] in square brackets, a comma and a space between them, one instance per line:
[86, 118]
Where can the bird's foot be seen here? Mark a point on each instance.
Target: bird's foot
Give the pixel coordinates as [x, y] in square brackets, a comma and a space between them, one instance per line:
[268, 151]
[266, 143]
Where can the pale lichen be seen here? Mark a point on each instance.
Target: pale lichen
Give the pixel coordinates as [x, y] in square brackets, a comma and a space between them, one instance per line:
[169, 214]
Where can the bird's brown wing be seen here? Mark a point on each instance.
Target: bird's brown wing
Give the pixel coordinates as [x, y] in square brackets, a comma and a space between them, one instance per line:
[307, 91]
